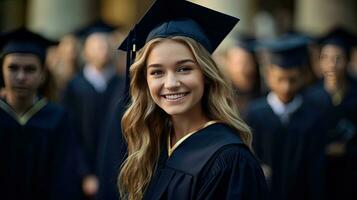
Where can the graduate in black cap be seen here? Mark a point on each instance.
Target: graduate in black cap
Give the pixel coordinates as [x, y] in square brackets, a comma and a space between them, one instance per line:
[336, 94]
[89, 98]
[184, 134]
[282, 123]
[242, 67]
[37, 144]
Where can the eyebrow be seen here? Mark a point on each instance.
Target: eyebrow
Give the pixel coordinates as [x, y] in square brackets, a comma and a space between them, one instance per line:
[177, 63]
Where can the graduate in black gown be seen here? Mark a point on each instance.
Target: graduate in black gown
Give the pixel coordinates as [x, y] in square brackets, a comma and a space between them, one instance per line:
[243, 69]
[89, 96]
[336, 94]
[111, 153]
[37, 144]
[184, 134]
[282, 123]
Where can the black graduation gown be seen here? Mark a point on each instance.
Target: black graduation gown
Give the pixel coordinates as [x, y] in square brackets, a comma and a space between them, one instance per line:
[211, 164]
[88, 111]
[340, 126]
[287, 150]
[37, 154]
[112, 151]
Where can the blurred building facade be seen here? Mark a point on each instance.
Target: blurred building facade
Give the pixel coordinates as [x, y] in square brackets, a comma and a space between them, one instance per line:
[55, 18]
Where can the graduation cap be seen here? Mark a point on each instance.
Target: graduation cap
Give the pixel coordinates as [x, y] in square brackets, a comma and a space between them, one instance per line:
[24, 41]
[167, 18]
[247, 42]
[180, 18]
[340, 37]
[288, 51]
[98, 26]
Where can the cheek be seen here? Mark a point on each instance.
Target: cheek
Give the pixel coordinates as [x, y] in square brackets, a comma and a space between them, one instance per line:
[198, 84]
[154, 88]
[8, 77]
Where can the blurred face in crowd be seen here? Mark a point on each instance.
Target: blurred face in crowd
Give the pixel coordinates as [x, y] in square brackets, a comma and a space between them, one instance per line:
[97, 50]
[285, 83]
[333, 62]
[175, 80]
[22, 74]
[241, 68]
[67, 48]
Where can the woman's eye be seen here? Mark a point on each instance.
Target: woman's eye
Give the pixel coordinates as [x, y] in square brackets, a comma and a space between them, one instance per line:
[184, 69]
[156, 72]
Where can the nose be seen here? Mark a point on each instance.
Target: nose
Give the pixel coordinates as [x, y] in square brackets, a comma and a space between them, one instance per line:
[286, 87]
[329, 64]
[20, 76]
[172, 82]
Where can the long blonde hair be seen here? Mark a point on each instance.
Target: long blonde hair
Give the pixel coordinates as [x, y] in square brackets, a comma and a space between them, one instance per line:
[144, 123]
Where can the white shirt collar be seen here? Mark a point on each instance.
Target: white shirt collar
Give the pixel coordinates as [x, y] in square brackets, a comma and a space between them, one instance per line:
[98, 79]
[282, 110]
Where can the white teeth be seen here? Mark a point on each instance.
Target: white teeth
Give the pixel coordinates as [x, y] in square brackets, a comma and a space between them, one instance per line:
[174, 96]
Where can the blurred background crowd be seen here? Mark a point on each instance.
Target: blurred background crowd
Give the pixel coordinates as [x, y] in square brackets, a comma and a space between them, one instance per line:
[293, 65]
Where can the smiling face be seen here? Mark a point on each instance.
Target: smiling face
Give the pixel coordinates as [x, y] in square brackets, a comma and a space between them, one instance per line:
[175, 80]
[333, 62]
[22, 74]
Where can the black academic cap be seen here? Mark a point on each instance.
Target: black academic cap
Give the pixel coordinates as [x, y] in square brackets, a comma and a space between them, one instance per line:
[24, 41]
[98, 26]
[181, 18]
[340, 37]
[247, 42]
[288, 51]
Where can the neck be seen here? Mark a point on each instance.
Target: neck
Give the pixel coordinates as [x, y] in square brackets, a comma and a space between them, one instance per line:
[183, 125]
[334, 85]
[20, 105]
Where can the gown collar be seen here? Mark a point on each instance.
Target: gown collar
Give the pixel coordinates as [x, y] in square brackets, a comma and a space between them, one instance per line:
[170, 149]
[23, 119]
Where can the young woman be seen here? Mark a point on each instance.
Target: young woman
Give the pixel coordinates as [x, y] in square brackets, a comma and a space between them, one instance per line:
[37, 146]
[184, 135]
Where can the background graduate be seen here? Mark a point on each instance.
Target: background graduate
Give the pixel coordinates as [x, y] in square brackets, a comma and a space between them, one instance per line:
[184, 135]
[90, 96]
[282, 123]
[242, 67]
[37, 145]
[336, 95]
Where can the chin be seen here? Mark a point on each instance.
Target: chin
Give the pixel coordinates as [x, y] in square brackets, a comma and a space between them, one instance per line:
[175, 111]
[22, 95]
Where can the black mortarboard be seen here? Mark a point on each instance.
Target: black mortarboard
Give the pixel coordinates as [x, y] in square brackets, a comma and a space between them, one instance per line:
[98, 26]
[179, 17]
[340, 37]
[247, 42]
[24, 41]
[288, 51]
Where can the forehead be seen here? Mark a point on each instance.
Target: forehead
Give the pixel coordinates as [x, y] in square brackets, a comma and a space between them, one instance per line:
[332, 49]
[169, 50]
[284, 71]
[22, 58]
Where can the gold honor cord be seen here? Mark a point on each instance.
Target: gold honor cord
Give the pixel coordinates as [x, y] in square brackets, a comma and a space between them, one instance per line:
[171, 150]
[23, 119]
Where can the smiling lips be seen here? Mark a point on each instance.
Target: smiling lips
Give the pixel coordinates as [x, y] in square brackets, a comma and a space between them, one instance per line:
[174, 97]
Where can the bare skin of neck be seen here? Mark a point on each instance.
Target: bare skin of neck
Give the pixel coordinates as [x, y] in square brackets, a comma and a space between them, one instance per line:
[183, 124]
[20, 106]
[334, 85]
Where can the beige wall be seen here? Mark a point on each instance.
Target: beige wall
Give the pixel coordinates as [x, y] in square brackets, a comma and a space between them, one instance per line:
[318, 16]
[12, 14]
[54, 18]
